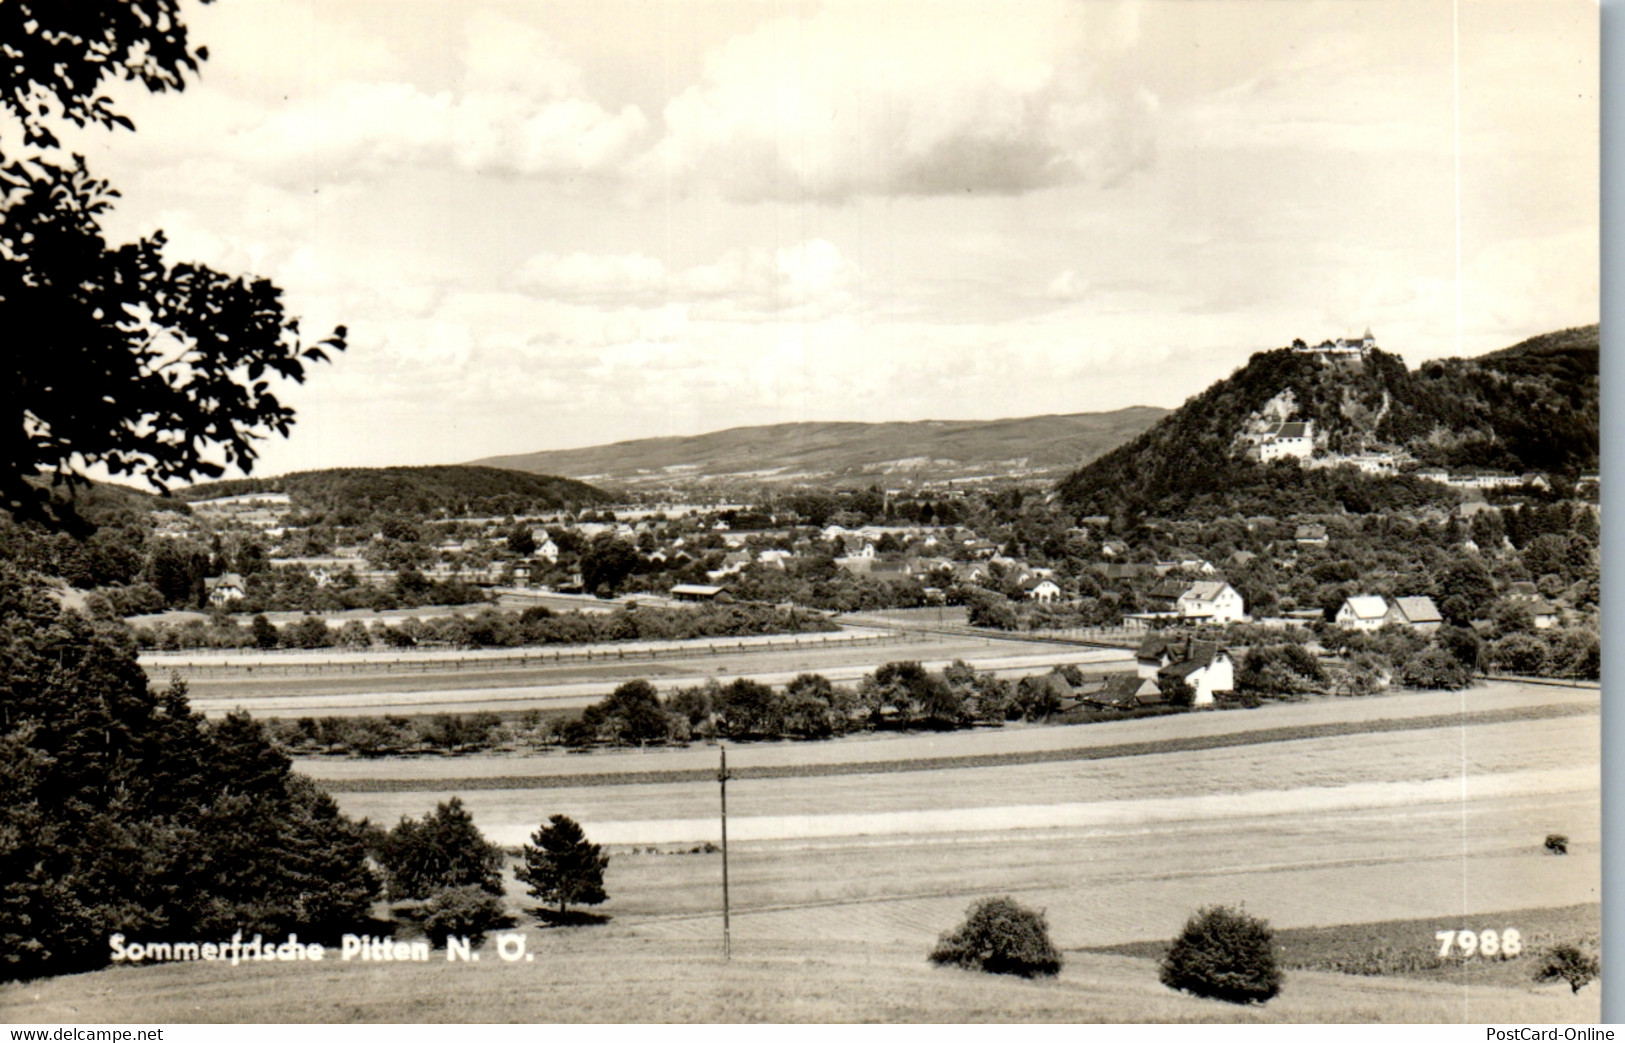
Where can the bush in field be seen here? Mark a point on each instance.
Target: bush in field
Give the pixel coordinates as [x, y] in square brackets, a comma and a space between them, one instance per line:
[1569, 963]
[1435, 668]
[1000, 937]
[445, 850]
[1557, 843]
[467, 912]
[1224, 954]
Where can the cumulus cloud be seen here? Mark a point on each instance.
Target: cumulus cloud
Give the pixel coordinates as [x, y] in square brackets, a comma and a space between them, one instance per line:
[520, 108]
[898, 99]
[804, 281]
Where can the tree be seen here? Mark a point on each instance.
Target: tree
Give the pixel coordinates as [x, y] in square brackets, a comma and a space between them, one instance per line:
[127, 812]
[631, 713]
[1000, 937]
[1569, 963]
[444, 850]
[562, 867]
[136, 364]
[264, 632]
[1464, 591]
[606, 562]
[520, 541]
[1225, 954]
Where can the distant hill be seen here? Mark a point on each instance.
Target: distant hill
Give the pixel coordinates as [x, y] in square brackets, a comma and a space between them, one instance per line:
[458, 489]
[920, 450]
[1531, 407]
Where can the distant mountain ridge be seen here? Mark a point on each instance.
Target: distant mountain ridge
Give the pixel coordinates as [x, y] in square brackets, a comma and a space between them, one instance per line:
[835, 451]
[1532, 407]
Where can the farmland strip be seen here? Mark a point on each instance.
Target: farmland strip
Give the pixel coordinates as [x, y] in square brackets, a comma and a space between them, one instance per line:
[990, 760]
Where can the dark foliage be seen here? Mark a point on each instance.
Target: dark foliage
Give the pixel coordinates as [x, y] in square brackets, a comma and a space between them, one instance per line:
[1569, 963]
[444, 850]
[142, 366]
[416, 491]
[467, 912]
[1225, 954]
[126, 812]
[562, 867]
[1000, 937]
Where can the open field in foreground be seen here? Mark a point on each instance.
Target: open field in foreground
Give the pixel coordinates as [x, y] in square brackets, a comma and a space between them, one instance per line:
[842, 883]
[601, 975]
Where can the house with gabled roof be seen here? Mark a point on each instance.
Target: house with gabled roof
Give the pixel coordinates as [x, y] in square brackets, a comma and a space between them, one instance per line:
[223, 590]
[1418, 613]
[1041, 589]
[1362, 612]
[1212, 601]
[1204, 665]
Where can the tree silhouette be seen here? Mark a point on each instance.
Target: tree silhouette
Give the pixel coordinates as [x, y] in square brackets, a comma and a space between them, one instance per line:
[130, 362]
[562, 867]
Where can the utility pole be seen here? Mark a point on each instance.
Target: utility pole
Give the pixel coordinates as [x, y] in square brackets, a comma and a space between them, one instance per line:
[722, 781]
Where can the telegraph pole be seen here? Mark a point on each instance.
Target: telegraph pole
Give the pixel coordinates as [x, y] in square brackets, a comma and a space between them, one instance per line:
[722, 781]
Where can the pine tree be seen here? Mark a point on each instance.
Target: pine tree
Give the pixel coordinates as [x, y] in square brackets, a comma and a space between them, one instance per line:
[562, 867]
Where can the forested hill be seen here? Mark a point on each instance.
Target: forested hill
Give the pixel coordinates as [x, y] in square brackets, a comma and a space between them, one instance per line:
[1531, 407]
[457, 489]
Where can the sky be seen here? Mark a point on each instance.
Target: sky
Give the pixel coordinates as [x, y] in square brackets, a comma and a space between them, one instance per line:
[557, 224]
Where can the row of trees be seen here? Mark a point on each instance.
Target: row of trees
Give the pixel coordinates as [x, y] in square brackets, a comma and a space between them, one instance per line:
[534, 627]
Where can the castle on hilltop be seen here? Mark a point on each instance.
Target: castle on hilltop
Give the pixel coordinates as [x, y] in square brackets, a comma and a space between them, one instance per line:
[1342, 346]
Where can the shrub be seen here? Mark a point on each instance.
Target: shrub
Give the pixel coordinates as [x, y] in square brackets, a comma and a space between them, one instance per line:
[1435, 668]
[1569, 963]
[445, 850]
[1557, 843]
[468, 912]
[1224, 954]
[1000, 937]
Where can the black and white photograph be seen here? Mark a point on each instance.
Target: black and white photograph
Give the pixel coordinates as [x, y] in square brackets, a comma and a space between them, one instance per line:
[561, 512]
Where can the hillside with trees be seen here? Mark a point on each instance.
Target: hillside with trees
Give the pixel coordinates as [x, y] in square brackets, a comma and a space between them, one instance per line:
[1531, 407]
[455, 490]
[851, 451]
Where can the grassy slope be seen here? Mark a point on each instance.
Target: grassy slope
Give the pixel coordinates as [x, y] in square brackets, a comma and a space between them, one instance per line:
[601, 975]
[1046, 441]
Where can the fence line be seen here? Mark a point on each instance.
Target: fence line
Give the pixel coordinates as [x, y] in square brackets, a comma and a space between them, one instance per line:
[536, 658]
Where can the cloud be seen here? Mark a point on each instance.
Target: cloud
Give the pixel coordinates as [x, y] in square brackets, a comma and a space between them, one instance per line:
[1068, 286]
[519, 108]
[912, 100]
[804, 281]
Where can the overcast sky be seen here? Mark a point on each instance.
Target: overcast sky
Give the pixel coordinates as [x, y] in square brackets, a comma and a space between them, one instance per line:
[554, 224]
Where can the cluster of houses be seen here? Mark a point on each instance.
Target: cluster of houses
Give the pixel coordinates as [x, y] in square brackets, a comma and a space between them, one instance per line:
[1373, 612]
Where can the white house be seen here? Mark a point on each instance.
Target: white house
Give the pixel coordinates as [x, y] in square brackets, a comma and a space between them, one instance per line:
[1042, 589]
[1212, 601]
[1362, 612]
[1295, 439]
[223, 590]
[1203, 665]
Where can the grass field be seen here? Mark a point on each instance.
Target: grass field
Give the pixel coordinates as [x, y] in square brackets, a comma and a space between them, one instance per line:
[599, 975]
[1409, 948]
[1348, 843]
